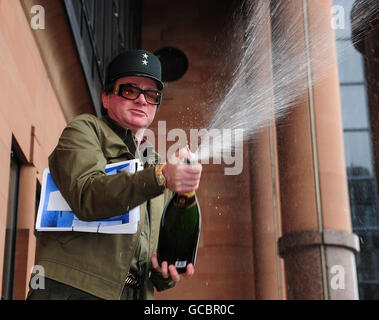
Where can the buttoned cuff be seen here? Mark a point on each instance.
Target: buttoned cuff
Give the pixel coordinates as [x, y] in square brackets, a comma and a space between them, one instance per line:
[149, 184]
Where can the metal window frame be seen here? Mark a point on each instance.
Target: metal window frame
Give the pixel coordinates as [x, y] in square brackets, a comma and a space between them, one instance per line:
[120, 24]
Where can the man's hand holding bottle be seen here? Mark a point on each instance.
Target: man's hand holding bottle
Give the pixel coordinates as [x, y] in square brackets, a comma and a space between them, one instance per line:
[181, 177]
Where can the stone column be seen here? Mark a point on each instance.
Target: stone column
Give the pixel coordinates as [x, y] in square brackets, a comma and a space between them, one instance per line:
[317, 244]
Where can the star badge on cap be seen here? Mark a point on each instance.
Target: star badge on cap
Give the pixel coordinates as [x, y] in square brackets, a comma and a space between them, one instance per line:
[144, 61]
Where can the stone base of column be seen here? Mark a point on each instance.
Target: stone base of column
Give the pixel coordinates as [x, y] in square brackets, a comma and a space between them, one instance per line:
[320, 265]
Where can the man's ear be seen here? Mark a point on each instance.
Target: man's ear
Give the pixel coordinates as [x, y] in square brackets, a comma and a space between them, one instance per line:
[105, 100]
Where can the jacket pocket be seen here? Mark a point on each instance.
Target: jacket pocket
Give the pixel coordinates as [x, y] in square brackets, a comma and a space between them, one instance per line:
[65, 237]
[118, 157]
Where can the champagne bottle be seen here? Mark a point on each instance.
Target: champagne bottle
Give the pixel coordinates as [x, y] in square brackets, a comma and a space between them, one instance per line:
[180, 231]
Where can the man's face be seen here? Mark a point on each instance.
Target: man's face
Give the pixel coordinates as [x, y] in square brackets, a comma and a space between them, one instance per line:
[133, 114]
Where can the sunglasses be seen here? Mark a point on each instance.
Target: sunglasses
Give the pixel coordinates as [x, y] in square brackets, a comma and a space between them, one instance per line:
[132, 92]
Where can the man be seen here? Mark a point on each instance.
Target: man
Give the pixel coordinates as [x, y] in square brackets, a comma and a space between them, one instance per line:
[119, 266]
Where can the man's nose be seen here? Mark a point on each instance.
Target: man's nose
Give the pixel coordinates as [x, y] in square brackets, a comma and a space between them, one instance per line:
[141, 99]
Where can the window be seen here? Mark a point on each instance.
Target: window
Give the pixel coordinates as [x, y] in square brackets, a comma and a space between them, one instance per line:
[11, 230]
[102, 29]
[38, 198]
[361, 174]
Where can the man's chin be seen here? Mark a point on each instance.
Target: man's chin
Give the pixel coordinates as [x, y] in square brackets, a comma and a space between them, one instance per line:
[137, 125]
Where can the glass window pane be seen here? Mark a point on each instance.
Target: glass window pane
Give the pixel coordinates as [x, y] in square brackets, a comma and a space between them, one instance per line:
[121, 26]
[354, 106]
[90, 5]
[358, 152]
[344, 32]
[77, 8]
[87, 46]
[107, 36]
[363, 196]
[99, 24]
[350, 62]
[115, 29]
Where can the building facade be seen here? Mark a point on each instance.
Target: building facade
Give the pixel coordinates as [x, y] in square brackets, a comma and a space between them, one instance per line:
[300, 220]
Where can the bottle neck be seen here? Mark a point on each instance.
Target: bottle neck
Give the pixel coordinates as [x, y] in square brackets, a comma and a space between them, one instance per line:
[185, 200]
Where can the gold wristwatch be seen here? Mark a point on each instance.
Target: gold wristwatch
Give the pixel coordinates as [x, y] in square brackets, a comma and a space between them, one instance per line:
[160, 177]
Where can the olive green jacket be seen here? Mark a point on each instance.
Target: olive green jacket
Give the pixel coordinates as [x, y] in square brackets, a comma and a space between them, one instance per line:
[92, 262]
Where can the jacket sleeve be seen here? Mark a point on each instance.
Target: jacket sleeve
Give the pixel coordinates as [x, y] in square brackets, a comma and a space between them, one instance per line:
[77, 166]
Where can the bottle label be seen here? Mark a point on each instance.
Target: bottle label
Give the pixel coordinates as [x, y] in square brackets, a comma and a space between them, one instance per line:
[180, 264]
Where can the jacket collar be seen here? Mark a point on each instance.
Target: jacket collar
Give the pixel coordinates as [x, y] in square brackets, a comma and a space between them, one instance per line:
[124, 133]
[146, 149]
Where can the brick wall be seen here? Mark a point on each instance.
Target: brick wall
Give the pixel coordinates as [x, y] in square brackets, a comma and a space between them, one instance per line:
[31, 114]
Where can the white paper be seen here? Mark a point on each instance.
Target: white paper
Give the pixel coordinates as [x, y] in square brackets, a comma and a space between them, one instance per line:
[54, 213]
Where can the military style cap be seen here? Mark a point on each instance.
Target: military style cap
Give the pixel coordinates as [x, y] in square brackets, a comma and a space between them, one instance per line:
[135, 63]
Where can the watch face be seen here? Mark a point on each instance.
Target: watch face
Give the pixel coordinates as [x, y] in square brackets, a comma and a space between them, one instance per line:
[160, 180]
